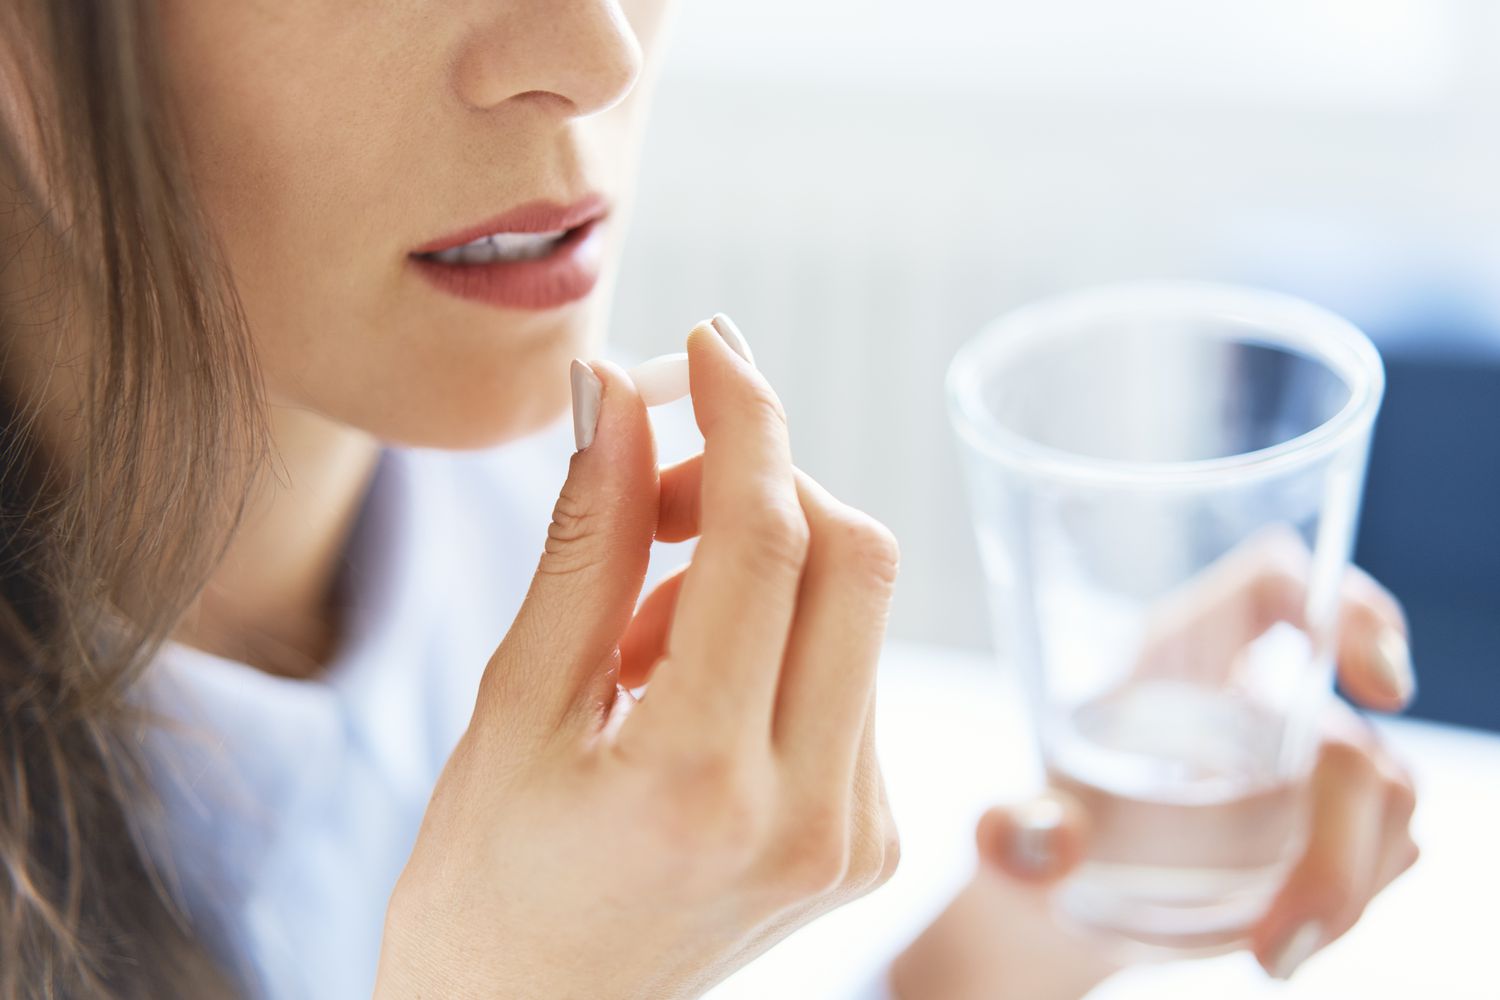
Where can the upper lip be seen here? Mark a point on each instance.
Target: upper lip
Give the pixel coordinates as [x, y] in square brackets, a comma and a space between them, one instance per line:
[532, 217]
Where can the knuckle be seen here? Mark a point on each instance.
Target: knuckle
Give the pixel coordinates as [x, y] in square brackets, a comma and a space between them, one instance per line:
[817, 860]
[710, 807]
[867, 546]
[763, 402]
[1334, 892]
[865, 866]
[1401, 799]
[780, 533]
[1277, 597]
[709, 780]
[877, 856]
[1410, 855]
[1340, 894]
[1278, 578]
[751, 402]
[573, 518]
[1354, 908]
[1342, 758]
[812, 877]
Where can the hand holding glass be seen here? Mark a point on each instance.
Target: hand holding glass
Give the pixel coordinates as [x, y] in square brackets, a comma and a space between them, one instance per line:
[1166, 481]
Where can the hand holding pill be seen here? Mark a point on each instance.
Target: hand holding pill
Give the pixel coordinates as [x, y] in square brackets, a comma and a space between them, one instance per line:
[664, 379]
[741, 796]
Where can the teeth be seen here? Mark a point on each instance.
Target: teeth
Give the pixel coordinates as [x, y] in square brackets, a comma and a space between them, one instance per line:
[501, 247]
[476, 253]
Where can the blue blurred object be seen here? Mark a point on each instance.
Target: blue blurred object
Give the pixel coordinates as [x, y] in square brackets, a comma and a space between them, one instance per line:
[1430, 523]
[1430, 530]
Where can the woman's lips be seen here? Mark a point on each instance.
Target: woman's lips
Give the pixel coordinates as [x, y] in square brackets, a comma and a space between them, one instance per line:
[495, 263]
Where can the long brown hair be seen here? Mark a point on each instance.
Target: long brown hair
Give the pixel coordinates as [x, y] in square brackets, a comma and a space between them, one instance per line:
[105, 540]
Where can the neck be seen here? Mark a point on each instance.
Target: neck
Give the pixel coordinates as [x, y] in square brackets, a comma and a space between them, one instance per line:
[273, 601]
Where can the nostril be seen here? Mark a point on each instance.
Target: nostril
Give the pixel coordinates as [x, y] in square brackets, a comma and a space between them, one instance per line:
[574, 58]
[546, 100]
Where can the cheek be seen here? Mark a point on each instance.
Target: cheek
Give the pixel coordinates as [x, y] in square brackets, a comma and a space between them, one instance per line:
[322, 151]
[289, 145]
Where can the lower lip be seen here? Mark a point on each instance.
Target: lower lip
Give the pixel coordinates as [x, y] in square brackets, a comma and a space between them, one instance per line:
[567, 274]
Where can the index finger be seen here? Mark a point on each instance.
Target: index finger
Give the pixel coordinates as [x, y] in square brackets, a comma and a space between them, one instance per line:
[1264, 581]
[738, 596]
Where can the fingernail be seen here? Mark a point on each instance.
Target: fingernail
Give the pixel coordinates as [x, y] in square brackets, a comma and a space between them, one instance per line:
[1393, 660]
[1031, 846]
[661, 380]
[733, 337]
[1298, 948]
[587, 391]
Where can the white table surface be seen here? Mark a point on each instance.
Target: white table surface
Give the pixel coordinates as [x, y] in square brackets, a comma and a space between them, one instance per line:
[953, 741]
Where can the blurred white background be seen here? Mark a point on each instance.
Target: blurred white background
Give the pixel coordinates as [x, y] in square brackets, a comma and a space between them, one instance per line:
[864, 183]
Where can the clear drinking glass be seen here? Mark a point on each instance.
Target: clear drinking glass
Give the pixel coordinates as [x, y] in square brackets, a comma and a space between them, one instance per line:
[1165, 480]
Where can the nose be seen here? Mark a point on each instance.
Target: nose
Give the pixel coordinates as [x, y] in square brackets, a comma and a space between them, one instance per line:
[578, 54]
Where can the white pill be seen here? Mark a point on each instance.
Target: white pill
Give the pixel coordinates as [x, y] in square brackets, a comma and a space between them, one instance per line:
[661, 380]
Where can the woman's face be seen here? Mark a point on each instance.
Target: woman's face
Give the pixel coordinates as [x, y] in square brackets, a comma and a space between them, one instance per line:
[345, 149]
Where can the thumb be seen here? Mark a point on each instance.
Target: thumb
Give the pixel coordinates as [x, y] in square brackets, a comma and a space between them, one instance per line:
[1037, 841]
[559, 656]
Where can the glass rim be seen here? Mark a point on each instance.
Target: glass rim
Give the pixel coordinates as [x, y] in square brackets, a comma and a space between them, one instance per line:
[1284, 320]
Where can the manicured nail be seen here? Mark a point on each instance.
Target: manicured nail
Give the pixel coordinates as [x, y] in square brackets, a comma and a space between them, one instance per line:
[587, 391]
[733, 337]
[1393, 660]
[661, 380]
[1298, 948]
[1031, 845]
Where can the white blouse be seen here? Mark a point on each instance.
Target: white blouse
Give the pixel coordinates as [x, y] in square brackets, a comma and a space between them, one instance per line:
[292, 805]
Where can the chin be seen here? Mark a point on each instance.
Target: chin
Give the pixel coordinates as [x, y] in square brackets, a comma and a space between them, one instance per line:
[469, 412]
[492, 378]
